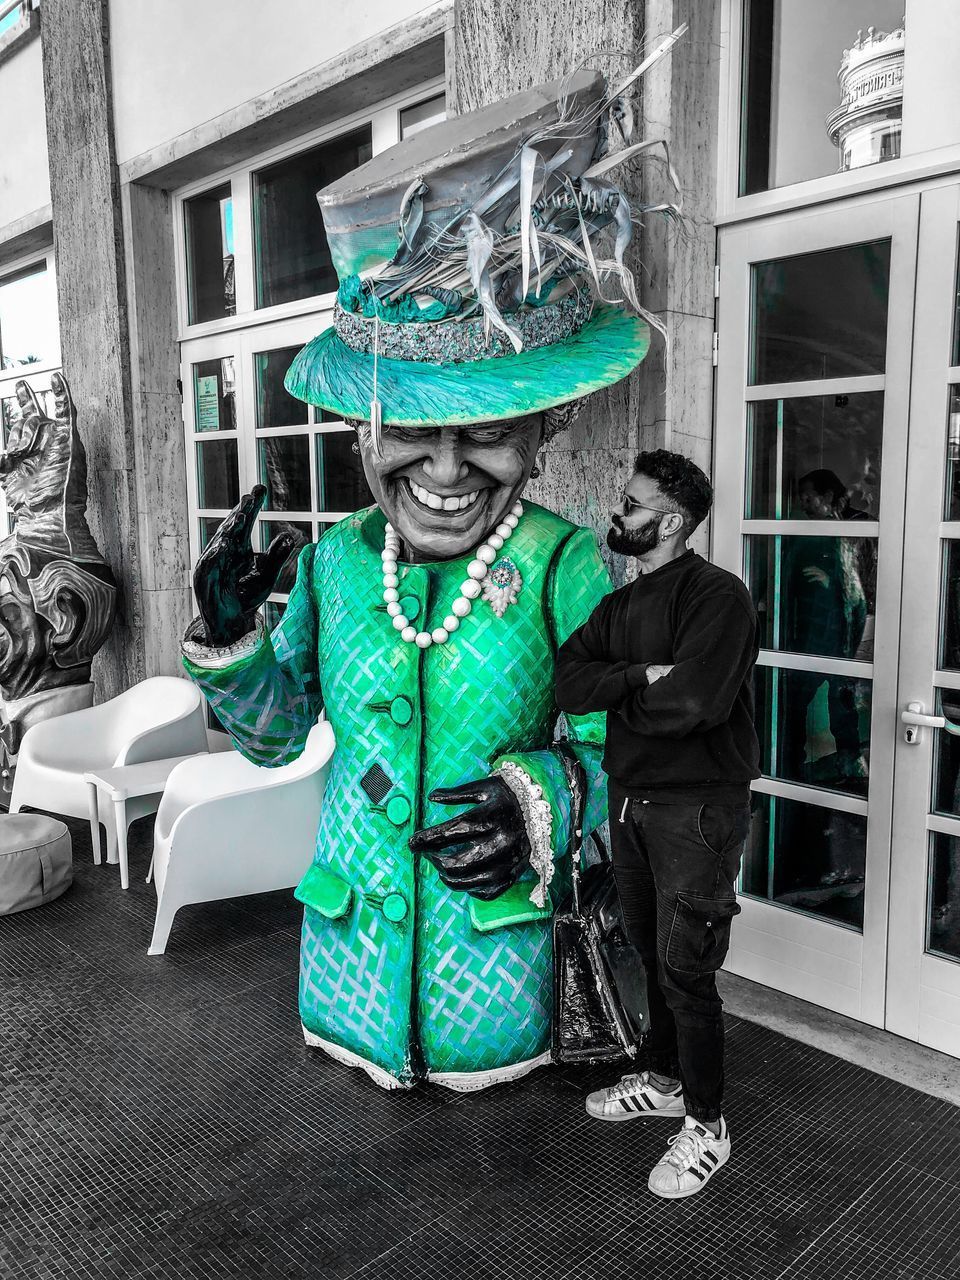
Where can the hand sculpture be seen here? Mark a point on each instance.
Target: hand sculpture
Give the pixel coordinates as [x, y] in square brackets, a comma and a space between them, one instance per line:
[231, 580]
[483, 851]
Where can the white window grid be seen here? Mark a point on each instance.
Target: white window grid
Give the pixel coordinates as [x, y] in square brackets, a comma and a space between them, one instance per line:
[254, 330]
[733, 207]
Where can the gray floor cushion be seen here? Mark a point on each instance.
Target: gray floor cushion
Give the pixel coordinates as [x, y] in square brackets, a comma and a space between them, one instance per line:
[36, 861]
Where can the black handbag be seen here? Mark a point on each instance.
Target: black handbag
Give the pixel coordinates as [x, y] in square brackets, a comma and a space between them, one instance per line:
[599, 985]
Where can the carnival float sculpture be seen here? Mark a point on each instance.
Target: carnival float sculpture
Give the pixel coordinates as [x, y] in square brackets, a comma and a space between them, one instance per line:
[58, 596]
[474, 260]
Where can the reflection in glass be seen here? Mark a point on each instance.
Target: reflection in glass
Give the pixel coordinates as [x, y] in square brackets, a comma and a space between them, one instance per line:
[284, 467]
[943, 923]
[293, 259]
[276, 407]
[815, 457]
[29, 324]
[821, 315]
[422, 116]
[273, 611]
[814, 728]
[218, 476]
[795, 51]
[950, 606]
[302, 533]
[952, 494]
[211, 286]
[814, 594]
[214, 395]
[806, 857]
[208, 527]
[946, 774]
[341, 483]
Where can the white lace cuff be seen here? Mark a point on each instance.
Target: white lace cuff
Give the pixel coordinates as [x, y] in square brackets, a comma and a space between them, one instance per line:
[205, 655]
[538, 820]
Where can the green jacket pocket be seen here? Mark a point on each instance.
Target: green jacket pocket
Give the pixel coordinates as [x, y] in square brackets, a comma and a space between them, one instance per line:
[512, 907]
[325, 891]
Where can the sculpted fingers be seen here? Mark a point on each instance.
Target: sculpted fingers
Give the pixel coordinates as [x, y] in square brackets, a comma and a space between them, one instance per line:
[475, 792]
[28, 401]
[62, 399]
[455, 831]
[270, 563]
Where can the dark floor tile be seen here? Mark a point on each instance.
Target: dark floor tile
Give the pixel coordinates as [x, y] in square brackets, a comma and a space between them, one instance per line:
[162, 1117]
[435, 1253]
[904, 1226]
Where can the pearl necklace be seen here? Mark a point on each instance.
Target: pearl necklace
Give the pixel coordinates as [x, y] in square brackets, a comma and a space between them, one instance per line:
[470, 588]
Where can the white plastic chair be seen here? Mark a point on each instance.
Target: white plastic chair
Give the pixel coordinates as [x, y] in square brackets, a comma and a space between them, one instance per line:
[156, 719]
[226, 827]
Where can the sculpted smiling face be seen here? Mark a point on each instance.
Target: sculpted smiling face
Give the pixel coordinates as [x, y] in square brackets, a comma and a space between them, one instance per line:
[444, 489]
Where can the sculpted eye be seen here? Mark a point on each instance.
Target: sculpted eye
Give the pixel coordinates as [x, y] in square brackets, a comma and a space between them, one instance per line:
[488, 435]
[409, 434]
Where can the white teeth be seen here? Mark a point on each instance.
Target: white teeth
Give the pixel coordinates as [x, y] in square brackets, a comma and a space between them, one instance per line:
[437, 503]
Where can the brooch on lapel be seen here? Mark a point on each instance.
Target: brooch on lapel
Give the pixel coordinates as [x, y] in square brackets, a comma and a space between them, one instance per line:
[502, 586]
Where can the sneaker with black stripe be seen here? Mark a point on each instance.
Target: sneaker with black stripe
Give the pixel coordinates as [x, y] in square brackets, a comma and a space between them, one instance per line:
[692, 1157]
[632, 1098]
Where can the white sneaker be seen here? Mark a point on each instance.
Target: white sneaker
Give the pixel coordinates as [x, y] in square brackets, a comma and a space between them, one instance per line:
[632, 1098]
[692, 1157]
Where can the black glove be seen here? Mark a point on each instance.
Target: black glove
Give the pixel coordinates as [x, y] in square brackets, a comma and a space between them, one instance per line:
[231, 580]
[483, 851]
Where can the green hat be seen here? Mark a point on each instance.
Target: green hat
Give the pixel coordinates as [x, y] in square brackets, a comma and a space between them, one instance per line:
[476, 263]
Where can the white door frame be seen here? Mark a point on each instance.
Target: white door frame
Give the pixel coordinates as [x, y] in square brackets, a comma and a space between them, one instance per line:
[923, 1000]
[829, 964]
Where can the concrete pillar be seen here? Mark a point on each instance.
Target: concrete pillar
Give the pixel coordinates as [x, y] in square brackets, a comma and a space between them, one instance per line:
[501, 46]
[115, 280]
[88, 239]
[680, 103]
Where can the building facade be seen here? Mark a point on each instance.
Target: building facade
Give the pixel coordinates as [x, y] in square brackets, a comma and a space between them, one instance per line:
[160, 241]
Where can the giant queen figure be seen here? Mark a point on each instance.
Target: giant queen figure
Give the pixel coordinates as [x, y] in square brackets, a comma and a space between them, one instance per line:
[475, 260]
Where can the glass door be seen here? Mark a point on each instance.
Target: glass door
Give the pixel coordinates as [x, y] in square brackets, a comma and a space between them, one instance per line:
[815, 321]
[923, 1000]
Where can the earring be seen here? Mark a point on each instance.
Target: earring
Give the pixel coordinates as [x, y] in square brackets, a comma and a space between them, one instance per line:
[355, 447]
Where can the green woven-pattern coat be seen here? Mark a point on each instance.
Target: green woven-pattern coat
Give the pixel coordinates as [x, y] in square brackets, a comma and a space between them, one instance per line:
[429, 992]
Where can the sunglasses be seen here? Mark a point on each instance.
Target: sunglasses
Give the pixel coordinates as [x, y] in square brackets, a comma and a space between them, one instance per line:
[631, 504]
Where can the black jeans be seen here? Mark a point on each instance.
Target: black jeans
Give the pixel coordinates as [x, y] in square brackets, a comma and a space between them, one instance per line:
[676, 865]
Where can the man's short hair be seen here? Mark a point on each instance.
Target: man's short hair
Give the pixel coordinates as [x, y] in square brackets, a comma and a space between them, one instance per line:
[681, 482]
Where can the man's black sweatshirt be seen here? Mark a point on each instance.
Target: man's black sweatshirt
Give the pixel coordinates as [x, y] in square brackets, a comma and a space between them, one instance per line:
[687, 737]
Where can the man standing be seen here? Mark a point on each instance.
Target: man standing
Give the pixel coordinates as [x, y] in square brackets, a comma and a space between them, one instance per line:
[669, 658]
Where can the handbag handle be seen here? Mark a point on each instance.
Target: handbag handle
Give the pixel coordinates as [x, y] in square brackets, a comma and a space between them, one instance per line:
[577, 782]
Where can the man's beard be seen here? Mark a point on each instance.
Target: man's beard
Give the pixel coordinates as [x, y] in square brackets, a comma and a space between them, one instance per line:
[633, 542]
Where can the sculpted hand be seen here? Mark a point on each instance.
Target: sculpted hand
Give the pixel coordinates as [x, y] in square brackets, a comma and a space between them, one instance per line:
[483, 851]
[656, 670]
[232, 580]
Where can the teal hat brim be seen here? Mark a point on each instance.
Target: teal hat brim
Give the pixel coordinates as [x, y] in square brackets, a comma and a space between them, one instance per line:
[333, 376]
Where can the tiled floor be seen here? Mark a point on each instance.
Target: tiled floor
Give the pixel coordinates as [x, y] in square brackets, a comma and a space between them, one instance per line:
[160, 1117]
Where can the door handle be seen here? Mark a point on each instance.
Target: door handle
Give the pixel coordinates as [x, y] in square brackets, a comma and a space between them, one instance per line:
[916, 720]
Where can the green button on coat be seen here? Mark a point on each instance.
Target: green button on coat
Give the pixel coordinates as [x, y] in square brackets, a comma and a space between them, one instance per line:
[398, 810]
[401, 710]
[410, 606]
[395, 907]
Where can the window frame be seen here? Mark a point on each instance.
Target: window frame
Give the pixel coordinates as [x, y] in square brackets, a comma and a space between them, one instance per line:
[29, 372]
[384, 120]
[253, 330]
[733, 207]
